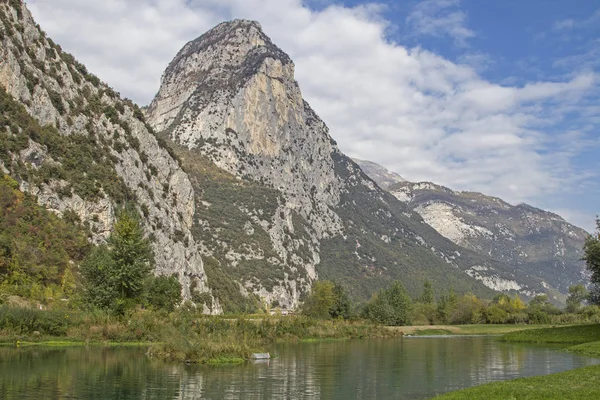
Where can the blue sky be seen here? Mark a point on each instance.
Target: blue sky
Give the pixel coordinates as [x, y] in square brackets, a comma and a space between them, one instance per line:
[515, 42]
[501, 97]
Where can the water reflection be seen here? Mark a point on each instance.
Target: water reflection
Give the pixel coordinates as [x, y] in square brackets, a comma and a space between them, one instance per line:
[410, 368]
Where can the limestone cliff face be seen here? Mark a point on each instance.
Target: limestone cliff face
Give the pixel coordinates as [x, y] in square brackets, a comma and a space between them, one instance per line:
[58, 91]
[231, 96]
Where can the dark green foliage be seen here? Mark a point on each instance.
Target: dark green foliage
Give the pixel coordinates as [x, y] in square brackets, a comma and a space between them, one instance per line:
[163, 292]
[227, 290]
[97, 271]
[84, 161]
[594, 295]
[36, 246]
[56, 100]
[541, 303]
[131, 253]
[341, 307]
[391, 306]
[577, 294]
[427, 295]
[592, 254]
[114, 275]
[20, 321]
[327, 300]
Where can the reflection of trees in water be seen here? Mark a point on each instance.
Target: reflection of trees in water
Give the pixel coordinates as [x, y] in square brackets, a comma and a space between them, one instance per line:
[390, 368]
[83, 374]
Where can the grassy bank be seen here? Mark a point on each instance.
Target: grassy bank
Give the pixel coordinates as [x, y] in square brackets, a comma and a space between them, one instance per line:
[181, 335]
[579, 384]
[474, 329]
[583, 339]
[582, 383]
[577, 334]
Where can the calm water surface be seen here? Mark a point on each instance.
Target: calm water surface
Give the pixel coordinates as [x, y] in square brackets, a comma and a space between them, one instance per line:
[409, 368]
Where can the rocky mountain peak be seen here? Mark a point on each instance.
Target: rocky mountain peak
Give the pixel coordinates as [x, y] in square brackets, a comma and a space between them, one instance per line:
[216, 64]
[383, 177]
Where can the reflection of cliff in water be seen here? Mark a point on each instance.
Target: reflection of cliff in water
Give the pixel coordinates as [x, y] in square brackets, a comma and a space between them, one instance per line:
[409, 368]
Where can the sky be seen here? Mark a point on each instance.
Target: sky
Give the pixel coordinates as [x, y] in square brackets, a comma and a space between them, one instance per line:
[500, 97]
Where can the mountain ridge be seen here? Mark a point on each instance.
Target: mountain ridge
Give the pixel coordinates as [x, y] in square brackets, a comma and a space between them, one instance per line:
[248, 201]
[521, 235]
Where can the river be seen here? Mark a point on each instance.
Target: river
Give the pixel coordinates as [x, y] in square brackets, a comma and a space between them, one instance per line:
[407, 368]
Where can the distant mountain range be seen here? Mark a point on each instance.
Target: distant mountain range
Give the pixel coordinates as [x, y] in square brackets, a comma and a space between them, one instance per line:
[539, 243]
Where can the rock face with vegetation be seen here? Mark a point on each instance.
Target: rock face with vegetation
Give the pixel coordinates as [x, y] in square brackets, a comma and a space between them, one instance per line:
[71, 141]
[242, 193]
[297, 207]
[540, 244]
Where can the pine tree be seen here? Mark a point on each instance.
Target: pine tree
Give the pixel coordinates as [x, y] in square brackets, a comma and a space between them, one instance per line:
[115, 274]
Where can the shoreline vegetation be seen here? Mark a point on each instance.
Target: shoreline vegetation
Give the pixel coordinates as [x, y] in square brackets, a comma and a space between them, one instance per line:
[578, 384]
[187, 336]
[181, 335]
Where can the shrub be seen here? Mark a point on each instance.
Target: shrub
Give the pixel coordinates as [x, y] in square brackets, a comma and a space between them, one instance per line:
[390, 306]
[163, 292]
[26, 321]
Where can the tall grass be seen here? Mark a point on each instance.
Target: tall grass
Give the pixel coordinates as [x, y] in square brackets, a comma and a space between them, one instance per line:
[180, 335]
[26, 321]
[202, 339]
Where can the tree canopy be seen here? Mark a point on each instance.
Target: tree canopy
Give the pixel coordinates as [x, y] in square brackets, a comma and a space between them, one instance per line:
[391, 306]
[591, 251]
[115, 275]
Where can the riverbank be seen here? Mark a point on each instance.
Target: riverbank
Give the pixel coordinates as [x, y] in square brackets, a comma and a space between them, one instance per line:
[182, 335]
[474, 329]
[578, 384]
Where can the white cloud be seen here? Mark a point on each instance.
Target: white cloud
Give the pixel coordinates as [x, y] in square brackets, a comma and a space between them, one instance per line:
[439, 18]
[408, 109]
[568, 24]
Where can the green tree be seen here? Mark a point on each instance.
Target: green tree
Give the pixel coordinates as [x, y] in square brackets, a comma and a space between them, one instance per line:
[114, 275]
[341, 303]
[446, 306]
[468, 310]
[97, 273]
[132, 255]
[320, 300]
[577, 294]
[163, 292]
[427, 295]
[591, 251]
[391, 306]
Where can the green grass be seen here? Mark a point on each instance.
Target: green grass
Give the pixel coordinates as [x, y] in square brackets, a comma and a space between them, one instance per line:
[500, 329]
[591, 349]
[432, 332]
[225, 360]
[474, 329]
[582, 383]
[577, 334]
[579, 384]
